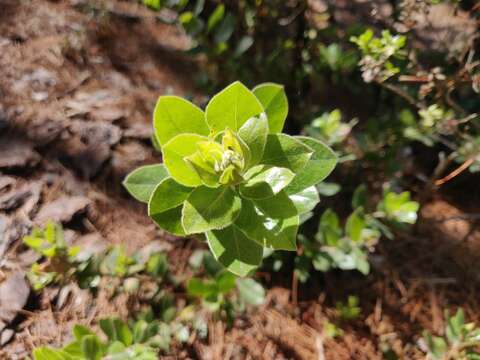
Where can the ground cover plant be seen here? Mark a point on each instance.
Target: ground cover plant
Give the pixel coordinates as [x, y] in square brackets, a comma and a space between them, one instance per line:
[341, 223]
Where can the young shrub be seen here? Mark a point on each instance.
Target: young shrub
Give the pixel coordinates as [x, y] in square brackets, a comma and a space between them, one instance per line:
[347, 247]
[460, 342]
[230, 174]
[219, 291]
[50, 243]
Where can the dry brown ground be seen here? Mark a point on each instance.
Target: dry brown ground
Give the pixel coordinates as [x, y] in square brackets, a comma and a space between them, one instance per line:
[78, 83]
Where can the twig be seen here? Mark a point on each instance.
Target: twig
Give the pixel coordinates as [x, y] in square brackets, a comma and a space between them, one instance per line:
[320, 347]
[400, 92]
[413, 79]
[294, 288]
[288, 20]
[455, 172]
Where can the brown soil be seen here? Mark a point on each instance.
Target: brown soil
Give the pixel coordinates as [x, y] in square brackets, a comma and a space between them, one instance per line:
[78, 83]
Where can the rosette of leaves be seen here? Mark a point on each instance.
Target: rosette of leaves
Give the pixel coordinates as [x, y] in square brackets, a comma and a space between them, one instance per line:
[230, 173]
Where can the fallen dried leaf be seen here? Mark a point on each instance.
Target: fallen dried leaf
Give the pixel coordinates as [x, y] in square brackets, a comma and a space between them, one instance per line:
[62, 210]
[6, 336]
[89, 147]
[14, 294]
[16, 153]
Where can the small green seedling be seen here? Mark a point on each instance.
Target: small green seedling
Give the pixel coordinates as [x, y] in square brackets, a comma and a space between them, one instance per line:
[230, 174]
[398, 208]
[220, 291]
[65, 262]
[140, 342]
[50, 243]
[349, 310]
[330, 128]
[460, 341]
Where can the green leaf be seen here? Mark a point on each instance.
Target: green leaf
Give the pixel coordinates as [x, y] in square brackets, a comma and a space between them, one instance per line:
[251, 291]
[157, 265]
[329, 230]
[174, 153]
[207, 209]
[118, 349]
[200, 288]
[274, 101]
[74, 349]
[278, 207]
[234, 250]
[328, 188]
[283, 233]
[45, 353]
[455, 326]
[225, 281]
[359, 197]
[276, 233]
[285, 151]
[265, 182]
[254, 133]
[355, 225]
[318, 167]
[232, 107]
[170, 221]
[91, 347]
[398, 207]
[174, 116]
[305, 200]
[243, 45]
[438, 347]
[215, 17]
[140, 333]
[167, 195]
[79, 331]
[141, 182]
[225, 29]
[206, 172]
[116, 330]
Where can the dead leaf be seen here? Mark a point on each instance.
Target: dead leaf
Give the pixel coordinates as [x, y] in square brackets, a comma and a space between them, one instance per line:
[14, 198]
[6, 181]
[6, 336]
[17, 153]
[89, 147]
[14, 294]
[139, 130]
[101, 105]
[4, 224]
[62, 210]
[12, 229]
[26, 195]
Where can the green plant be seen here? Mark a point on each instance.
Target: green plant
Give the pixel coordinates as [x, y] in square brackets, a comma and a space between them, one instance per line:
[64, 263]
[329, 127]
[378, 53]
[460, 340]
[50, 243]
[349, 310]
[220, 291]
[347, 247]
[139, 342]
[231, 175]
